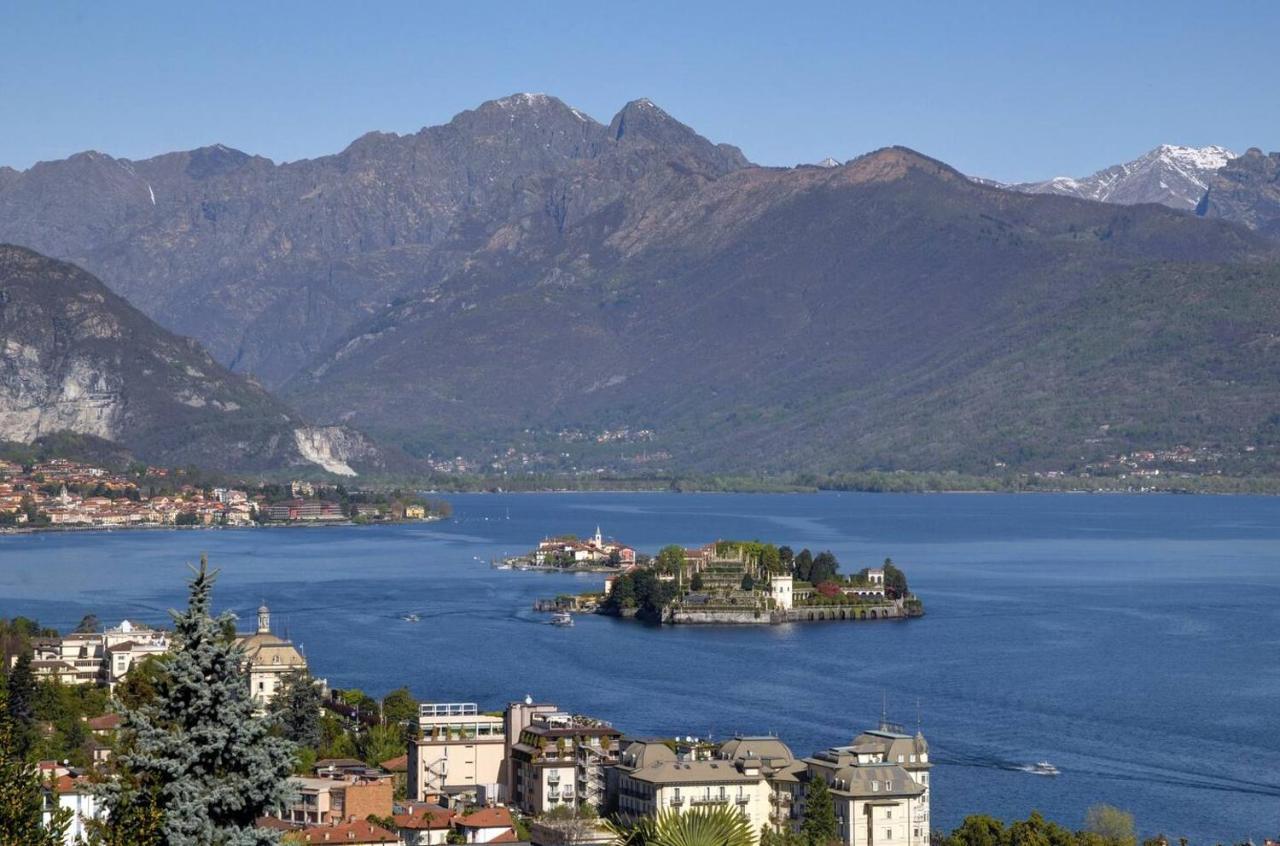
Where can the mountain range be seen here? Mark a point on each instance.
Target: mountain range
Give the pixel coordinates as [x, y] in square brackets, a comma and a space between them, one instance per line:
[524, 275]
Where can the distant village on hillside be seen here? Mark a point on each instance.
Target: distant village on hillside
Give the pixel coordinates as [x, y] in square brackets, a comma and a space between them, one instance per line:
[59, 493]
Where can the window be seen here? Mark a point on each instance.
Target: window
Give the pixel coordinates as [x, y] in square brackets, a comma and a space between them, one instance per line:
[888, 814]
[875, 787]
[888, 834]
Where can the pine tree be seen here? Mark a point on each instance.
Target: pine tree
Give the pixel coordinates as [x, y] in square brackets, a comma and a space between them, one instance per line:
[296, 706]
[21, 800]
[198, 765]
[819, 827]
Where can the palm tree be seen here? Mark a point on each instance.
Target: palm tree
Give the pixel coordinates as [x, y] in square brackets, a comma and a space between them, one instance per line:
[718, 825]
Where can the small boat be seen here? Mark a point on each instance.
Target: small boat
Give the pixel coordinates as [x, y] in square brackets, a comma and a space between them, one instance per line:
[411, 617]
[562, 618]
[1042, 768]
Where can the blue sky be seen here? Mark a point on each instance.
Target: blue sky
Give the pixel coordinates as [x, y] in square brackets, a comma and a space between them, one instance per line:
[1014, 91]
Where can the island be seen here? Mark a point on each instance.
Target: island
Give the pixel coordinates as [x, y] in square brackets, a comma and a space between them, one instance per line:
[747, 582]
[572, 554]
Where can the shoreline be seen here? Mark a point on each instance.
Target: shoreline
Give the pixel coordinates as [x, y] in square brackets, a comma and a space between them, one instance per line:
[326, 524]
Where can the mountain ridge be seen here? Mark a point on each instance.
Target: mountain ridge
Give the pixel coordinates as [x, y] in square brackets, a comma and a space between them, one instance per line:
[525, 271]
[79, 358]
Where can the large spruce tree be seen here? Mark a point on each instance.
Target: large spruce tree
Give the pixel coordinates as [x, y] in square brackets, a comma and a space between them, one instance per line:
[198, 765]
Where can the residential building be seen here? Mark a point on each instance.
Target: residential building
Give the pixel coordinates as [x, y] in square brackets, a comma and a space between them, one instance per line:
[67, 789]
[774, 758]
[269, 659]
[329, 800]
[457, 750]
[128, 644]
[559, 760]
[880, 787]
[650, 778]
[487, 825]
[568, 551]
[96, 657]
[424, 825]
[305, 510]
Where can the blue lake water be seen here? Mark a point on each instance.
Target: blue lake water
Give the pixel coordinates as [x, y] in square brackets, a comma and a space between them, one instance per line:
[1132, 641]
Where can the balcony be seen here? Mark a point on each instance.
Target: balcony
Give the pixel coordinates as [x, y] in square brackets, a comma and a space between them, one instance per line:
[710, 800]
[743, 800]
[677, 801]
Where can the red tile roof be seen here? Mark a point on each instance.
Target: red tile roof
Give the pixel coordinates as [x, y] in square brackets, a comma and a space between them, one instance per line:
[424, 817]
[396, 765]
[485, 818]
[358, 831]
[107, 722]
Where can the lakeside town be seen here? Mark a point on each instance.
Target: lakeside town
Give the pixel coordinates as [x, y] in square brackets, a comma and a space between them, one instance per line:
[58, 493]
[427, 773]
[719, 583]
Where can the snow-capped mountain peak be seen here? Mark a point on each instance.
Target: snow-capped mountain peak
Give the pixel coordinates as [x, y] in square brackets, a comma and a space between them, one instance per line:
[1172, 175]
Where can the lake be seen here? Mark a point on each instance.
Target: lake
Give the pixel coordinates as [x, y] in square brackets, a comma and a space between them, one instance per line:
[1133, 641]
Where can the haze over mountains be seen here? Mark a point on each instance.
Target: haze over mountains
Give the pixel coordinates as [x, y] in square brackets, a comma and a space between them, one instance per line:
[525, 270]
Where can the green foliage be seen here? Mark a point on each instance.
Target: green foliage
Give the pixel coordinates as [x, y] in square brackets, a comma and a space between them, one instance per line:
[65, 708]
[142, 682]
[380, 743]
[399, 706]
[895, 581]
[670, 560]
[748, 583]
[197, 765]
[1112, 824]
[296, 708]
[21, 800]
[696, 582]
[20, 705]
[643, 591]
[717, 825]
[1105, 826]
[819, 826]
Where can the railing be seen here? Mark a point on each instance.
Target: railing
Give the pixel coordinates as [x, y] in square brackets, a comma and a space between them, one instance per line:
[710, 800]
[743, 800]
[676, 800]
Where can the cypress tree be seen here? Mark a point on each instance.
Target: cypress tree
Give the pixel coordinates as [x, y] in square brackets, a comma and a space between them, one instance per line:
[819, 827]
[198, 765]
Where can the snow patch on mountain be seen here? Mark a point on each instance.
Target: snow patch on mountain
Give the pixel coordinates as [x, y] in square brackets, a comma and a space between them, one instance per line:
[1172, 175]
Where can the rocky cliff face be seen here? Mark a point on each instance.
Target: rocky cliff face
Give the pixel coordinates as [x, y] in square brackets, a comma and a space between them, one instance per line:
[1246, 190]
[78, 358]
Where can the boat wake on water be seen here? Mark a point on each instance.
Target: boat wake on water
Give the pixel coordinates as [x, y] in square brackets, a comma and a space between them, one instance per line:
[1149, 776]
